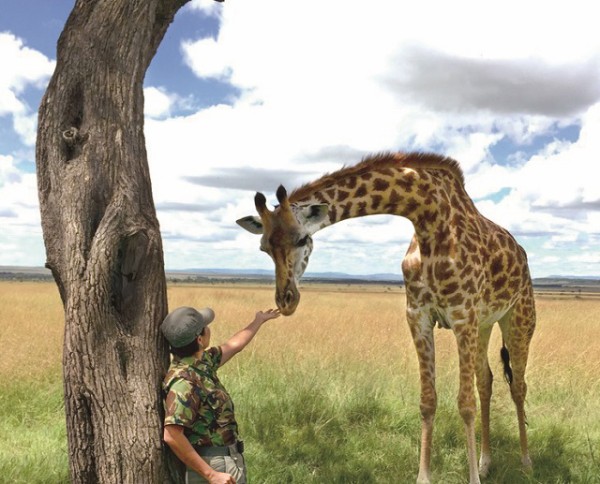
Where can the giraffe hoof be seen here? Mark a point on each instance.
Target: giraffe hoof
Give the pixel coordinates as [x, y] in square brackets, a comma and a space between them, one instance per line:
[527, 465]
[423, 478]
[484, 466]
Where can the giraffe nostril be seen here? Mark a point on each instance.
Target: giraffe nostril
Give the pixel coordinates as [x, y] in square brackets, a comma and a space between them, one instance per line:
[289, 297]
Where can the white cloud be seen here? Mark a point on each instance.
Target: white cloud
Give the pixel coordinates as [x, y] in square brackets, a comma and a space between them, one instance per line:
[489, 179]
[21, 67]
[306, 92]
[565, 174]
[8, 171]
[560, 240]
[471, 149]
[334, 90]
[451, 82]
[586, 258]
[25, 125]
[157, 102]
[321, 86]
[206, 58]
[9, 103]
[207, 7]
[17, 189]
[21, 237]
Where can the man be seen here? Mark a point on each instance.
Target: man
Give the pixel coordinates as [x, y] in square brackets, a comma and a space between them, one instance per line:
[200, 425]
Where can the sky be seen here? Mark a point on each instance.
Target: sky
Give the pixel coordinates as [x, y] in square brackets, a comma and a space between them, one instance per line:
[245, 95]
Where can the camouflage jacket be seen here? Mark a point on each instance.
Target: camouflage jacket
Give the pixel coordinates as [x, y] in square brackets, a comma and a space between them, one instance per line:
[196, 400]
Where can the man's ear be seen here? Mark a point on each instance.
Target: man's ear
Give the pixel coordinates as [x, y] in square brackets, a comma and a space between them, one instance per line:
[313, 216]
[251, 223]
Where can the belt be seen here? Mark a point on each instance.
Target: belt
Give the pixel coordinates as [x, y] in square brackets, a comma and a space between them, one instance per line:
[215, 450]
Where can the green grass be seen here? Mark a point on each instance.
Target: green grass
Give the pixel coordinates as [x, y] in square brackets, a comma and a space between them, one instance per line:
[323, 429]
[313, 426]
[359, 427]
[33, 446]
[330, 395]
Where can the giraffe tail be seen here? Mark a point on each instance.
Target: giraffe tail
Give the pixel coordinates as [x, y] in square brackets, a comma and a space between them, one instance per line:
[508, 375]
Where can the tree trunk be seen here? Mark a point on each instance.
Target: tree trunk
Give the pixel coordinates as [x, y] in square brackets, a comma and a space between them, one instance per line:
[102, 239]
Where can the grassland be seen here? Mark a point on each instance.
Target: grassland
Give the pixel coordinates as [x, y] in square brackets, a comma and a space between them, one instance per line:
[329, 395]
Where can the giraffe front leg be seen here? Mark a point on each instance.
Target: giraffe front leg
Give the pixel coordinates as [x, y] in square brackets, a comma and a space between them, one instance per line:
[422, 332]
[466, 338]
[484, 387]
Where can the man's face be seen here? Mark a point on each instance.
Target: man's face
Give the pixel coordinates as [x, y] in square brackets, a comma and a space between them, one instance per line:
[204, 339]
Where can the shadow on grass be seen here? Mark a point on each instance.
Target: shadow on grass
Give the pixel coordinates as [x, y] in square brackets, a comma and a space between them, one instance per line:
[302, 435]
[310, 432]
[556, 452]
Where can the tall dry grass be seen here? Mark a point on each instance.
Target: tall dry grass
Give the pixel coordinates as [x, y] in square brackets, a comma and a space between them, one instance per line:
[31, 329]
[336, 327]
[331, 393]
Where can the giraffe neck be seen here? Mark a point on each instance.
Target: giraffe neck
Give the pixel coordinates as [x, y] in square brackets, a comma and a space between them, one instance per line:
[426, 189]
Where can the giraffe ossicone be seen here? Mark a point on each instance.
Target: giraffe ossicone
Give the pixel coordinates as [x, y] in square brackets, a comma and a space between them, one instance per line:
[461, 271]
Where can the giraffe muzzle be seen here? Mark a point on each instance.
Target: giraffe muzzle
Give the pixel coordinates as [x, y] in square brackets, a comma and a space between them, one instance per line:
[287, 301]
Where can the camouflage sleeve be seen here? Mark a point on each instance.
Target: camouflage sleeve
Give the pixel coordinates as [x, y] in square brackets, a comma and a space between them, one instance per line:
[215, 354]
[181, 404]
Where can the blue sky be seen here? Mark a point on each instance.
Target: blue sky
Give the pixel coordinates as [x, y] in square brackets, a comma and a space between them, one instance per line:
[243, 96]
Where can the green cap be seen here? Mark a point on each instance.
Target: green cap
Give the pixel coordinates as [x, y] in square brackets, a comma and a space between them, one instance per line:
[183, 324]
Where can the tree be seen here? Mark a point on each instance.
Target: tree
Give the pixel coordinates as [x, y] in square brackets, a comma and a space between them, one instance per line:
[102, 238]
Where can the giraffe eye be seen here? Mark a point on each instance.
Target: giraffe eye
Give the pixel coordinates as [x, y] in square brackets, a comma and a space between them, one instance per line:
[303, 241]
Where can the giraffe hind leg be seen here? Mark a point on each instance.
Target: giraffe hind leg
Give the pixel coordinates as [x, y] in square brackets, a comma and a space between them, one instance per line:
[517, 329]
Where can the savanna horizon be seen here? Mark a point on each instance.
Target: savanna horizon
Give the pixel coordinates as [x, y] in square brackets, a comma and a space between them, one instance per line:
[330, 394]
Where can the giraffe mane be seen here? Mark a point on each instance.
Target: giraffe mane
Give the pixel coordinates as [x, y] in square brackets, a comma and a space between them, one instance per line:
[382, 161]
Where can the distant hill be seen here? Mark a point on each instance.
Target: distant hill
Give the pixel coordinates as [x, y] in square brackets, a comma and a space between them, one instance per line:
[194, 274]
[568, 284]
[559, 282]
[25, 273]
[268, 276]
[262, 273]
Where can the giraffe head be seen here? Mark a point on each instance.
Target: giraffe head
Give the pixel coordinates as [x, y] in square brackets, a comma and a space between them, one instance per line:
[287, 237]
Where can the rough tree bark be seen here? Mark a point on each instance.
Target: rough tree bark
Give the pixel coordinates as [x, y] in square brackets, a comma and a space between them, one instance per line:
[102, 238]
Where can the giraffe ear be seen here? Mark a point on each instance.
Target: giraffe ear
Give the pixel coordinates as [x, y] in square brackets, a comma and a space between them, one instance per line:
[313, 216]
[252, 224]
[260, 202]
[282, 197]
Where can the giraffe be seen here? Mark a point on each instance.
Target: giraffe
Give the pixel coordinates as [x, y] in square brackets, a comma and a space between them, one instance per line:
[461, 272]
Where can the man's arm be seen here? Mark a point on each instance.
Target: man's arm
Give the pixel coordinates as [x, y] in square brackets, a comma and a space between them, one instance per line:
[180, 445]
[238, 341]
